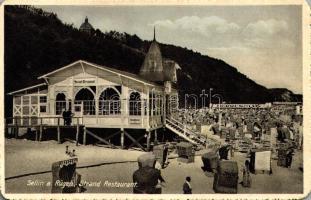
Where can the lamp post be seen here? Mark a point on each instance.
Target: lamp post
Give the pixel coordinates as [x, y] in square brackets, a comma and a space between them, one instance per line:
[203, 95]
[210, 97]
[219, 118]
[218, 96]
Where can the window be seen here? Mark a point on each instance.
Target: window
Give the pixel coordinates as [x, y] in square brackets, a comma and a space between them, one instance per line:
[87, 105]
[85, 99]
[135, 104]
[145, 106]
[60, 107]
[26, 106]
[159, 105]
[152, 105]
[109, 102]
[60, 103]
[77, 108]
[42, 109]
[25, 100]
[17, 100]
[34, 99]
[43, 104]
[43, 99]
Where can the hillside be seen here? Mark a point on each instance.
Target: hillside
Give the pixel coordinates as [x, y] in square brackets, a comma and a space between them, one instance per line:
[283, 94]
[37, 42]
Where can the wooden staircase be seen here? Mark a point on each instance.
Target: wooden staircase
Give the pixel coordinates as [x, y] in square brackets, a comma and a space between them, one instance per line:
[181, 130]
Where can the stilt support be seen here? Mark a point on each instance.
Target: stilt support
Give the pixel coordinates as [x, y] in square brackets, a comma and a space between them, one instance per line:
[84, 135]
[58, 135]
[16, 132]
[155, 136]
[139, 139]
[111, 136]
[40, 133]
[37, 135]
[148, 140]
[99, 138]
[122, 138]
[134, 141]
[77, 135]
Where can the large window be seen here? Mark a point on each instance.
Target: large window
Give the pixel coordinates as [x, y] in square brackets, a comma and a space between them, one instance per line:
[109, 102]
[60, 103]
[85, 98]
[135, 104]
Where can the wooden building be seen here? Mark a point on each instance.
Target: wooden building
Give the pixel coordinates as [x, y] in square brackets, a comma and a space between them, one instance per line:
[100, 96]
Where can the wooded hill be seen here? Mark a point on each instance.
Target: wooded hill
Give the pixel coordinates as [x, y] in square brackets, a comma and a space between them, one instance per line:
[37, 42]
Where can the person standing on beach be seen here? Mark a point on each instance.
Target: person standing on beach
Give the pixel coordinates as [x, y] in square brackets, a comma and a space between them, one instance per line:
[247, 181]
[187, 187]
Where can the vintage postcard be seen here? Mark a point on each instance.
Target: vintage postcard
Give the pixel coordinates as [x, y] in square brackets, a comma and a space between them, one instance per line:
[155, 99]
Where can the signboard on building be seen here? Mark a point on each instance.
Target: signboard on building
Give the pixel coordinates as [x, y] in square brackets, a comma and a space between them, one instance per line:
[84, 81]
[135, 120]
[241, 106]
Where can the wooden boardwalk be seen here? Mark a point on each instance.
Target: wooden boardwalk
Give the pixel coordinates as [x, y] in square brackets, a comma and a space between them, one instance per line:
[39, 127]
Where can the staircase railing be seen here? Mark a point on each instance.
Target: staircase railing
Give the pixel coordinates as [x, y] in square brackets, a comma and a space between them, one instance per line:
[185, 132]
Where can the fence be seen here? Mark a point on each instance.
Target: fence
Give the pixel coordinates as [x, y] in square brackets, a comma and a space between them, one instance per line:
[34, 121]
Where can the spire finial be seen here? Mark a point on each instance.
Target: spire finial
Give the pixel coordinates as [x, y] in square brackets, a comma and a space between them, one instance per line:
[154, 35]
[86, 19]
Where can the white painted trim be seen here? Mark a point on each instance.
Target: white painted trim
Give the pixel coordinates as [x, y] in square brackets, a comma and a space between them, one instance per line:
[97, 67]
[84, 87]
[28, 88]
[81, 63]
[105, 69]
[60, 69]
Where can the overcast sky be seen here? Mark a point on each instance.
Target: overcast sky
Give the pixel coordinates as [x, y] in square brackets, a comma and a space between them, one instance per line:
[262, 42]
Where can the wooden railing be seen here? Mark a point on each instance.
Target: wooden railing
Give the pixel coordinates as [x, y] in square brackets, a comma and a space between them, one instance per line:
[44, 120]
[185, 132]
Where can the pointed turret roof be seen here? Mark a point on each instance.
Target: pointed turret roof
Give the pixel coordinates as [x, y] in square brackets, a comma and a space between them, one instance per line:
[152, 68]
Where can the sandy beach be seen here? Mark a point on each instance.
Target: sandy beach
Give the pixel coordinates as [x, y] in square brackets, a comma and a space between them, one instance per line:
[28, 163]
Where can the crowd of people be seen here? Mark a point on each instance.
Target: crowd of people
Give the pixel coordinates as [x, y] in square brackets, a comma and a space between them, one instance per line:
[282, 124]
[252, 123]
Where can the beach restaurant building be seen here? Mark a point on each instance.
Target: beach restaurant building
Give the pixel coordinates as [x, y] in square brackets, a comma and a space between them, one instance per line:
[100, 96]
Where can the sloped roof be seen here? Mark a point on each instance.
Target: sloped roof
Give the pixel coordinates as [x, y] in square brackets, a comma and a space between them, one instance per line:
[152, 67]
[27, 88]
[112, 70]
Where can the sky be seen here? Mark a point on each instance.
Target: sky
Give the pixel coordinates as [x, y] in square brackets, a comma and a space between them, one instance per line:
[262, 42]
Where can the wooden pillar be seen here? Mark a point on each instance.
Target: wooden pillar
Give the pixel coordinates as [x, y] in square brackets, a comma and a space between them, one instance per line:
[122, 138]
[84, 135]
[155, 136]
[37, 134]
[58, 135]
[148, 140]
[40, 133]
[77, 135]
[16, 132]
[10, 132]
[164, 108]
